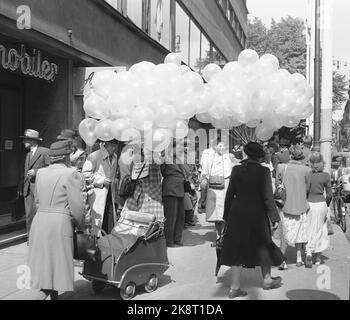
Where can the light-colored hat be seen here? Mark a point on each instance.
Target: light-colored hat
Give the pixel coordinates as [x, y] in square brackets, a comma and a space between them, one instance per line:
[31, 134]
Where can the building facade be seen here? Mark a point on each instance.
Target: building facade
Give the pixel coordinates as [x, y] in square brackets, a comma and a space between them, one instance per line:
[44, 44]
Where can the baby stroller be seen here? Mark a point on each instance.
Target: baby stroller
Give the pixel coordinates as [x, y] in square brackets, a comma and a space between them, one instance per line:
[134, 254]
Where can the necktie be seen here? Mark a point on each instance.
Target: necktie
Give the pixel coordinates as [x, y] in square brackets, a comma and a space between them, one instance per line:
[111, 159]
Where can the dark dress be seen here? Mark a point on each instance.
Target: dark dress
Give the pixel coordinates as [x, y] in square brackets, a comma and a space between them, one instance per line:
[249, 208]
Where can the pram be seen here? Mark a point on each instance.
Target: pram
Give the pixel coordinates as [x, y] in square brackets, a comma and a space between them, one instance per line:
[134, 254]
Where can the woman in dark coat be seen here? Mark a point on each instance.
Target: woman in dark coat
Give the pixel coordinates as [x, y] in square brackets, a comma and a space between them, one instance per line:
[249, 211]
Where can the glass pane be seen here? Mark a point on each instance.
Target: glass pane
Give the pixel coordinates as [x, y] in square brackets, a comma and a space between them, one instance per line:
[195, 47]
[160, 21]
[134, 11]
[182, 33]
[114, 3]
[218, 58]
[205, 53]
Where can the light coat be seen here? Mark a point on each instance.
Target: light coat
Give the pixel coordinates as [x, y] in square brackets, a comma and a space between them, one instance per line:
[217, 165]
[297, 181]
[60, 203]
[97, 168]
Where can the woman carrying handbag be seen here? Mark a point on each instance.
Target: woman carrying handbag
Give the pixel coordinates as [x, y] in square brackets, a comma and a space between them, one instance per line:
[218, 171]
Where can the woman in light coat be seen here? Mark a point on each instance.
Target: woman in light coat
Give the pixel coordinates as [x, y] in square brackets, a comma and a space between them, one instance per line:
[60, 207]
[296, 178]
[219, 164]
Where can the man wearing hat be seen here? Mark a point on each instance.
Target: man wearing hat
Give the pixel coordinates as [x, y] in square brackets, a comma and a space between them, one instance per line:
[36, 158]
[100, 171]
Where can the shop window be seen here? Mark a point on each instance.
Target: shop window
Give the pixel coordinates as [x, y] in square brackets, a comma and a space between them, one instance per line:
[205, 57]
[182, 34]
[116, 4]
[160, 21]
[134, 11]
[218, 58]
[195, 47]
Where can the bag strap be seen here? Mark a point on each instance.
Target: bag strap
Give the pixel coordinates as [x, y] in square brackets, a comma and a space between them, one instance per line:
[139, 175]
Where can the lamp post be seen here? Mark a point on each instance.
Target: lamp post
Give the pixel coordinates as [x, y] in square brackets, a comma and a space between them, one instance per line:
[317, 79]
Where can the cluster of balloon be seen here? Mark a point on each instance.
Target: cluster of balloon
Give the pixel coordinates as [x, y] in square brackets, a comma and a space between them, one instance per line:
[152, 103]
[148, 101]
[255, 92]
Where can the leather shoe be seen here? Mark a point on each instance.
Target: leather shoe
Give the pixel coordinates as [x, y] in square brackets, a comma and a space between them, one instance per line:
[308, 262]
[171, 245]
[299, 264]
[276, 283]
[236, 293]
[179, 244]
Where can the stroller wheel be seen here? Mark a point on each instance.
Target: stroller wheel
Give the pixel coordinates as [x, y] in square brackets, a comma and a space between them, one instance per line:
[98, 286]
[128, 292]
[152, 283]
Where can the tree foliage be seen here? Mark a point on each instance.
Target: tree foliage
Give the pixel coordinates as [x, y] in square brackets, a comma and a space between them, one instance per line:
[285, 39]
[340, 88]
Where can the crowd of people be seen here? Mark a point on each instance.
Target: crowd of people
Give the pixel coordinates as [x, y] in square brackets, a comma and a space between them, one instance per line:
[66, 188]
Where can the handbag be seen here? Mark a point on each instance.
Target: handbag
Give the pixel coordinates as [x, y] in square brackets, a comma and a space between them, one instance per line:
[128, 186]
[281, 192]
[85, 246]
[217, 182]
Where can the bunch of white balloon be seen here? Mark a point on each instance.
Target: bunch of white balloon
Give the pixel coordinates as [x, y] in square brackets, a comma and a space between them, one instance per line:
[148, 101]
[152, 103]
[255, 92]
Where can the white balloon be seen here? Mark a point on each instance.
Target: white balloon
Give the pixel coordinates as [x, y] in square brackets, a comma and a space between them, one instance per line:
[184, 69]
[102, 78]
[233, 68]
[195, 81]
[270, 59]
[204, 118]
[210, 70]
[173, 58]
[161, 139]
[181, 130]
[119, 127]
[247, 57]
[96, 107]
[103, 130]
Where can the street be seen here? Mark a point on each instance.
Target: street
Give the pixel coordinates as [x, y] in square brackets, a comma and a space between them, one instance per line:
[191, 276]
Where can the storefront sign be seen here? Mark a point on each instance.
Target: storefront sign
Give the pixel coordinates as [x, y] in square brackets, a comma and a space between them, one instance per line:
[31, 65]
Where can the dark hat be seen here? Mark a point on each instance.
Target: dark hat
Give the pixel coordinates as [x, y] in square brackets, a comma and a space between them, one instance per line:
[296, 152]
[284, 142]
[60, 148]
[31, 134]
[67, 134]
[254, 150]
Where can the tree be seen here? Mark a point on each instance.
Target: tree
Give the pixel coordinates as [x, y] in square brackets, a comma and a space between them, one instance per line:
[340, 89]
[285, 39]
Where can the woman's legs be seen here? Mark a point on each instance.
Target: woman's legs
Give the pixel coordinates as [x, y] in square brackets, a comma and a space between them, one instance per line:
[299, 247]
[268, 281]
[236, 278]
[219, 226]
[52, 293]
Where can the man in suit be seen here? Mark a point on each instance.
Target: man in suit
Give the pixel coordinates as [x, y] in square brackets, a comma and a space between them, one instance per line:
[37, 158]
[100, 171]
[173, 193]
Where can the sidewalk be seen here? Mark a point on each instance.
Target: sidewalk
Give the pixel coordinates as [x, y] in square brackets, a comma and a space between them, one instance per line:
[192, 275]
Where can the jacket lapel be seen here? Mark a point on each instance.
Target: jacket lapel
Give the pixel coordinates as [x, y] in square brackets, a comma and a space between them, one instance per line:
[35, 158]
